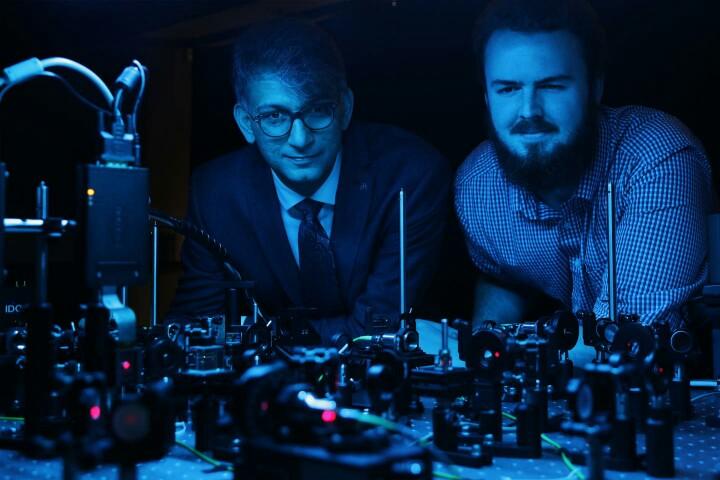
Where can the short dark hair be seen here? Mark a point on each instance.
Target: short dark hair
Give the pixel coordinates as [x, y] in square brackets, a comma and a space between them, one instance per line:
[532, 16]
[298, 51]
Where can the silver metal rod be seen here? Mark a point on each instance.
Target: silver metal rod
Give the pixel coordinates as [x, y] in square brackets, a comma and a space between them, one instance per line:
[705, 383]
[254, 312]
[444, 330]
[715, 332]
[123, 295]
[342, 376]
[444, 356]
[41, 201]
[612, 258]
[153, 302]
[402, 257]
[35, 225]
[29, 225]
[41, 259]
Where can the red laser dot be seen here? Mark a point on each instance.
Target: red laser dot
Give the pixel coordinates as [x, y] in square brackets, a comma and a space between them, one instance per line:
[126, 365]
[264, 406]
[497, 354]
[95, 412]
[661, 370]
[328, 416]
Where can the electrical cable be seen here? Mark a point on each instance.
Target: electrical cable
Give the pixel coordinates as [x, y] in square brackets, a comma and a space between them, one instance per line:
[375, 420]
[424, 439]
[12, 419]
[213, 246]
[448, 476]
[199, 235]
[67, 85]
[117, 114]
[703, 395]
[138, 97]
[81, 69]
[566, 460]
[363, 338]
[203, 457]
[75, 93]
[566, 477]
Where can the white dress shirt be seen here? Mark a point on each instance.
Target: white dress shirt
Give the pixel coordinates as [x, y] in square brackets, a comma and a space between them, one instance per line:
[288, 198]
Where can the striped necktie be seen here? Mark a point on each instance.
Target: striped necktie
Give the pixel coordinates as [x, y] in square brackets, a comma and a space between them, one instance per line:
[318, 277]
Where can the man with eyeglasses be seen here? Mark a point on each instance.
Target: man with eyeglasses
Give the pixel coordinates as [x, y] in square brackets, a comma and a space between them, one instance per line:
[532, 199]
[309, 209]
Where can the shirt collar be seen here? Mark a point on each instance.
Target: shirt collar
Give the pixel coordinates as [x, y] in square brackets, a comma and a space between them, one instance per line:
[598, 171]
[325, 194]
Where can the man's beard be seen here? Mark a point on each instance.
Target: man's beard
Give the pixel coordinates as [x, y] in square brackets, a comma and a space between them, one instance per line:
[562, 167]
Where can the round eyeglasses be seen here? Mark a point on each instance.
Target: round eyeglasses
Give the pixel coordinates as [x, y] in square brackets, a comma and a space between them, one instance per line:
[278, 123]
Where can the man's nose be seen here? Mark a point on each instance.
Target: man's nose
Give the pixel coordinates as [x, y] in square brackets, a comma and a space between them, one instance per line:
[531, 104]
[300, 136]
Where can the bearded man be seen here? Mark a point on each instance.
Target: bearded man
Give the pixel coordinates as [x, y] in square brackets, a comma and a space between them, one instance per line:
[532, 199]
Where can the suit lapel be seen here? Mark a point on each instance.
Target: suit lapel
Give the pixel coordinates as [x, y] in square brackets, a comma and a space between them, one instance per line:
[265, 210]
[352, 205]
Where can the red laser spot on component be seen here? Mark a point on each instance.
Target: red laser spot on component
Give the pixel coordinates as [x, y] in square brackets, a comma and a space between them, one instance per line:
[497, 354]
[264, 406]
[328, 416]
[95, 412]
[126, 365]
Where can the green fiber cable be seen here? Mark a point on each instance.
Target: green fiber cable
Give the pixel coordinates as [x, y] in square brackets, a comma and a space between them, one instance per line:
[448, 476]
[566, 460]
[202, 456]
[550, 441]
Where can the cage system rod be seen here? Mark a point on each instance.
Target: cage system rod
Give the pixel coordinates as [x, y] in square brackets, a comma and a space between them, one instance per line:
[41, 261]
[402, 257]
[153, 306]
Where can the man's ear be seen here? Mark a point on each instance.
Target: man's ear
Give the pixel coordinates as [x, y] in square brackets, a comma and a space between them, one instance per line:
[599, 86]
[348, 101]
[244, 122]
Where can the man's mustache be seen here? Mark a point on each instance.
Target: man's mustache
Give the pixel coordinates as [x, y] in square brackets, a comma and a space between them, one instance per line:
[533, 125]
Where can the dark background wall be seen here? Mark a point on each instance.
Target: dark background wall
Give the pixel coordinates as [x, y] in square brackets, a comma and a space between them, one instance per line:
[408, 63]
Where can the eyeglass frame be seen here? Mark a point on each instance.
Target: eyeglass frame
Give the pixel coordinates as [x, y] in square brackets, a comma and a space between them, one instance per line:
[294, 116]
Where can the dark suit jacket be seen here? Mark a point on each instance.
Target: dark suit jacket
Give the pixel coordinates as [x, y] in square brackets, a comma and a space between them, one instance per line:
[233, 198]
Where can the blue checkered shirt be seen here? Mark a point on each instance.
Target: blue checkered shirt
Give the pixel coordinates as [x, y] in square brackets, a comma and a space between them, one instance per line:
[663, 191]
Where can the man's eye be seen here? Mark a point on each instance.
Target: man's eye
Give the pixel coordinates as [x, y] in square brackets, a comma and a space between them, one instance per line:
[508, 89]
[273, 117]
[552, 86]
